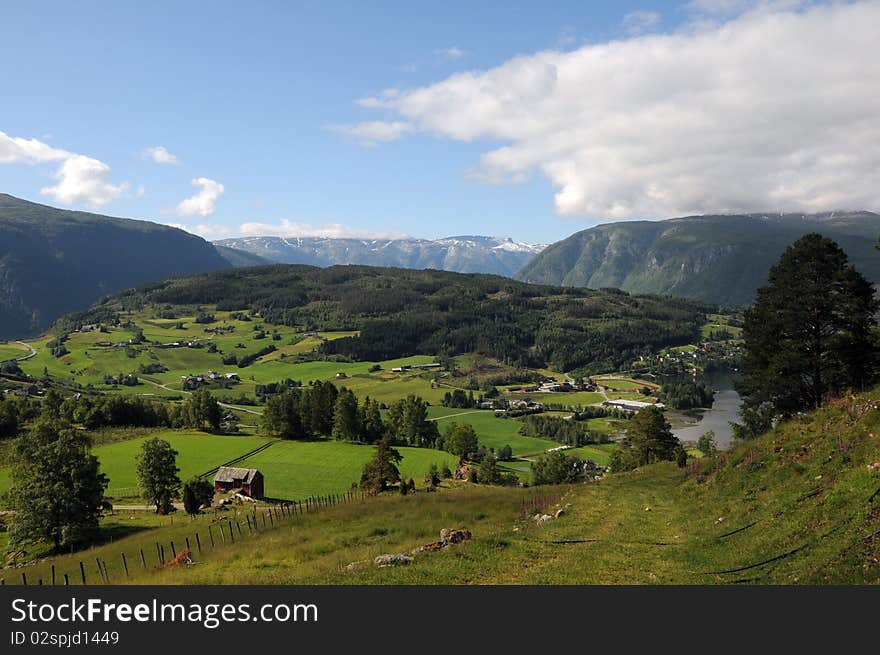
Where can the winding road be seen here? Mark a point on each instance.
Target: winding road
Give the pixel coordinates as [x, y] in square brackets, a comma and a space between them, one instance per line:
[32, 352]
[223, 405]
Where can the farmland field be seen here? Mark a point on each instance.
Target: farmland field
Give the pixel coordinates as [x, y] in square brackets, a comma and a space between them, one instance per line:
[12, 351]
[298, 469]
[197, 453]
[492, 432]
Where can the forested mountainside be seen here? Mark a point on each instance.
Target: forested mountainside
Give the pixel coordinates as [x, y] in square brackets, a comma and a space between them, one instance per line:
[717, 259]
[54, 261]
[401, 312]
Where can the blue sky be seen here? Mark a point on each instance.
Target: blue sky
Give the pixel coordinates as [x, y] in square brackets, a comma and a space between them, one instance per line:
[262, 98]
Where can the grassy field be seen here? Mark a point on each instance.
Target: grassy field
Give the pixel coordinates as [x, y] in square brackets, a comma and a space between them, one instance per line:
[197, 453]
[12, 351]
[626, 384]
[717, 322]
[492, 432]
[296, 470]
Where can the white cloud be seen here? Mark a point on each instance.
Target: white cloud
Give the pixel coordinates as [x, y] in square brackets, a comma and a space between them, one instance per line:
[160, 155]
[18, 150]
[638, 22]
[80, 178]
[206, 230]
[292, 229]
[204, 202]
[452, 53]
[372, 133]
[773, 110]
[83, 179]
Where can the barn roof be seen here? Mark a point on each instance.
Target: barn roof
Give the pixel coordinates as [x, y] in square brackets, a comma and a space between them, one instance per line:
[235, 474]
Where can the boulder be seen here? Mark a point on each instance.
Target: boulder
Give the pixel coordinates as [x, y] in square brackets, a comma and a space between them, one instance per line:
[396, 559]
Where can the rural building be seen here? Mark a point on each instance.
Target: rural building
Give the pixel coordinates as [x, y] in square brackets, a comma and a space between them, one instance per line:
[233, 376]
[231, 478]
[631, 405]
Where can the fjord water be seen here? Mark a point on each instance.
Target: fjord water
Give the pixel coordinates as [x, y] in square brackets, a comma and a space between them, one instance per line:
[724, 410]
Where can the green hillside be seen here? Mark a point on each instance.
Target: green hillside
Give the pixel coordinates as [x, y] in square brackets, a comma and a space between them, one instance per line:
[718, 259]
[799, 505]
[401, 312]
[54, 261]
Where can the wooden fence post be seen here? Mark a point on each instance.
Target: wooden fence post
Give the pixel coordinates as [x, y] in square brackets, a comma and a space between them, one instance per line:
[53, 575]
[82, 571]
[198, 543]
[211, 535]
[66, 580]
[173, 551]
[24, 578]
[124, 564]
[100, 570]
[187, 545]
[143, 559]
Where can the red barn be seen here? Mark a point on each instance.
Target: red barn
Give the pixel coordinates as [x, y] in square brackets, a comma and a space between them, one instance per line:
[230, 478]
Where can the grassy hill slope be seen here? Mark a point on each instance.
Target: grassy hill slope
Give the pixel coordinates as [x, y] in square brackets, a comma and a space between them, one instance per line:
[719, 259]
[800, 505]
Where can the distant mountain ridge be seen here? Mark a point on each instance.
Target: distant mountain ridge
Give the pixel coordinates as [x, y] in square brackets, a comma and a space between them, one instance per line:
[459, 254]
[53, 261]
[721, 259]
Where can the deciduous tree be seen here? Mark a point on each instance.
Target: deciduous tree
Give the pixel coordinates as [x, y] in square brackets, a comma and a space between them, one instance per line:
[57, 487]
[157, 474]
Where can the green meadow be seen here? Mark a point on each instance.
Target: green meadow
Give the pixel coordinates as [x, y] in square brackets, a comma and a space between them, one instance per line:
[12, 351]
[298, 469]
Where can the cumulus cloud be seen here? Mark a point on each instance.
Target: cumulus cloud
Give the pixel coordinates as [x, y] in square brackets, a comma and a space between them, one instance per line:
[204, 202]
[83, 179]
[160, 155]
[80, 178]
[637, 22]
[206, 230]
[372, 133]
[773, 110]
[18, 150]
[291, 229]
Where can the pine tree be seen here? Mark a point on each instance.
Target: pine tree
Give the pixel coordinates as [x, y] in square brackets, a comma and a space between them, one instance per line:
[346, 426]
[648, 439]
[57, 487]
[808, 335]
[381, 471]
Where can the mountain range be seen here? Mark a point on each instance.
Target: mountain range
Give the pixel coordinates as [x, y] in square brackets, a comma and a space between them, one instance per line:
[459, 254]
[54, 261]
[721, 259]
